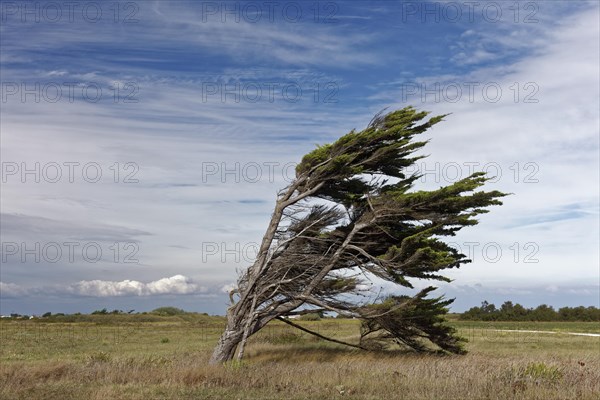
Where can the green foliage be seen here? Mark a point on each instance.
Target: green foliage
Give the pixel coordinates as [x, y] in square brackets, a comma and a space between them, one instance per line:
[579, 314]
[401, 229]
[381, 149]
[410, 322]
[407, 242]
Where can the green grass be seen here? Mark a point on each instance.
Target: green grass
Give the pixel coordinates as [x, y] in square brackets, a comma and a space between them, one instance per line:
[130, 357]
[556, 326]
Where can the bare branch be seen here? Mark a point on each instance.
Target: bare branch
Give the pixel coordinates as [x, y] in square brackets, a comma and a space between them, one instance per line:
[319, 335]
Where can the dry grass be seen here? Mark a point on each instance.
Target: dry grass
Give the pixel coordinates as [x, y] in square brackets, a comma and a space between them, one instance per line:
[280, 365]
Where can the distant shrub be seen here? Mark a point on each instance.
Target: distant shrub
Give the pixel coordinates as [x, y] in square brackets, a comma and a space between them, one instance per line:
[310, 317]
[164, 340]
[168, 311]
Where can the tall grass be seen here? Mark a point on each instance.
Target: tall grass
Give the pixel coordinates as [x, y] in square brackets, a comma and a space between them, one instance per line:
[279, 365]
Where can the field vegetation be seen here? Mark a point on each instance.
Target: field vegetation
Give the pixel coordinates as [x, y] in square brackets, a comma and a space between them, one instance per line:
[165, 356]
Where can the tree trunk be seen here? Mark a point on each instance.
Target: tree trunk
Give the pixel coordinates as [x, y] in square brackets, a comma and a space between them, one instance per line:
[241, 319]
[225, 349]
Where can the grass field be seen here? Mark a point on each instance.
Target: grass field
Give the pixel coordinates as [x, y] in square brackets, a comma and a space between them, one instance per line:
[139, 357]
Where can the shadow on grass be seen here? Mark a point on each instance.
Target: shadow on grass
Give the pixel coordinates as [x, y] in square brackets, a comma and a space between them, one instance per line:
[294, 353]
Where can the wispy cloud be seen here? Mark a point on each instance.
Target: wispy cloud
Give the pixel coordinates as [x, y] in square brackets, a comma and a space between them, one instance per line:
[176, 130]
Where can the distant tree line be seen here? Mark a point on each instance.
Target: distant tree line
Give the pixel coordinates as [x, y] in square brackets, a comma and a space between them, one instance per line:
[161, 311]
[516, 312]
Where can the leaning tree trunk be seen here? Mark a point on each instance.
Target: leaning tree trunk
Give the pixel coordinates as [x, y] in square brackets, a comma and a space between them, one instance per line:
[235, 336]
[242, 318]
[225, 349]
[239, 315]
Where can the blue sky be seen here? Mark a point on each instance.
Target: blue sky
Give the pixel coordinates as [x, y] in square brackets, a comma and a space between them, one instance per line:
[156, 135]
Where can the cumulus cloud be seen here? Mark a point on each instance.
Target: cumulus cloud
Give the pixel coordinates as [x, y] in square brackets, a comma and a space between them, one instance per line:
[177, 284]
[11, 290]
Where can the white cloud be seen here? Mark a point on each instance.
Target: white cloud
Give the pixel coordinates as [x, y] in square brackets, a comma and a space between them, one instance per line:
[11, 290]
[176, 24]
[228, 287]
[177, 284]
[174, 285]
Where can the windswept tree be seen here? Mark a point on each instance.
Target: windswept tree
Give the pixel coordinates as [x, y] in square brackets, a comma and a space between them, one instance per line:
[352, 216]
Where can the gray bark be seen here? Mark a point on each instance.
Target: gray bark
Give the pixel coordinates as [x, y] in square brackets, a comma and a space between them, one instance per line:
[225, 349]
